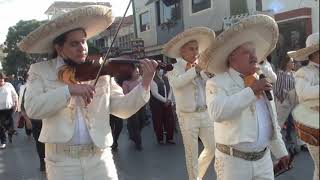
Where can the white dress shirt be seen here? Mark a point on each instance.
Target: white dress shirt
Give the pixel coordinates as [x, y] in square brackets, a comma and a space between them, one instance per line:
[200, 92]
[155, 92]
[8, 96]
[81, 134]
[264, 129]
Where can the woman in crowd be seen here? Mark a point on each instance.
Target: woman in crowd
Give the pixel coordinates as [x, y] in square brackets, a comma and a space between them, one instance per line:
[8, 105]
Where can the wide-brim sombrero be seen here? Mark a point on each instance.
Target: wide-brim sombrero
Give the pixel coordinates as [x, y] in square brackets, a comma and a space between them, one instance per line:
[312, 46]
[261, 30]
[203, 35]
[93, 19]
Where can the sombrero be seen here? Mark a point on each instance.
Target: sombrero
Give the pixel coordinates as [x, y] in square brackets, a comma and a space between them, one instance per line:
[93, 19]
[203, 35]
[312, 46]
[261, 30]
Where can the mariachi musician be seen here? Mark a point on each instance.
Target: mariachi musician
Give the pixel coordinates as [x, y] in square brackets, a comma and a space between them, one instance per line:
[307, 86]
[75, 113]
[240, 103]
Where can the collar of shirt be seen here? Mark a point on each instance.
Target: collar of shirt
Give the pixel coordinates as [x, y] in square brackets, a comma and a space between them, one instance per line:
[236, 72]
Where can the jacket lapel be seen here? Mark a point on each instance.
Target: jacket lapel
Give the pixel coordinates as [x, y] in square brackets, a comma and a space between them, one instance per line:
[235, 76]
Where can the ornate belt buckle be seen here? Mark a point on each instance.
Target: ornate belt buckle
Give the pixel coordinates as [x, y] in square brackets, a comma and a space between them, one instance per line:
[74, 152]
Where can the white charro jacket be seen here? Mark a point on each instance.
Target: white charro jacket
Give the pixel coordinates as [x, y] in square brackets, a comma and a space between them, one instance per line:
[232, 107]
[307, 82]
[184, 86]
[48, 99]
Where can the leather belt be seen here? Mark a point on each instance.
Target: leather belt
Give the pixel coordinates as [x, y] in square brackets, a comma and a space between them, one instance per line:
[75, 151]
[249, 156]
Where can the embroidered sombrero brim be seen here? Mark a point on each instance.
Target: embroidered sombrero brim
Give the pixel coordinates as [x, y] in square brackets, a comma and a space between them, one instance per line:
[93, 19]
[304, 53]
[261, 30]
[204, 36]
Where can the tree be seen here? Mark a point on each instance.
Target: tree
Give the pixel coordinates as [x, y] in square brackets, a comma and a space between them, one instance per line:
[17, 60]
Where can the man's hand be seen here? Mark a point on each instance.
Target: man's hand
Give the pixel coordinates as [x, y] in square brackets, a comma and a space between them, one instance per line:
[284, 162]
[149, 68]
[83, 90]
[168, 103]
[261, 85]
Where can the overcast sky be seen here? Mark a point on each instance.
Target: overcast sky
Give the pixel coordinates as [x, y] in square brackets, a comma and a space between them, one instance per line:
[12, 11]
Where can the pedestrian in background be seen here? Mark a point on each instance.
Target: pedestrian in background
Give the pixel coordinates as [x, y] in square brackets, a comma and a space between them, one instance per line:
[8, 105]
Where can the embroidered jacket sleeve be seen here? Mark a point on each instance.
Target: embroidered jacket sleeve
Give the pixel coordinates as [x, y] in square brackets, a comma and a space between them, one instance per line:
[222, 105]
[179, 78]
[277, 146]
[268, 72]
[124, 106]
[304, 87]
[40, 104]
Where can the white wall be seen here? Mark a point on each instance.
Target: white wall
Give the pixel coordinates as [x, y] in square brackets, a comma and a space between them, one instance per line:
[279, 6]
[212, 18]
[150, 36]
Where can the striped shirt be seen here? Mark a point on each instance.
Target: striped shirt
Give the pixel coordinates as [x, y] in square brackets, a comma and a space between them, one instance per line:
[284, 84]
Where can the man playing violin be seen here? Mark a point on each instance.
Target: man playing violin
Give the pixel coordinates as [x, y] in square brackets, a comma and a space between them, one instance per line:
[75, 115]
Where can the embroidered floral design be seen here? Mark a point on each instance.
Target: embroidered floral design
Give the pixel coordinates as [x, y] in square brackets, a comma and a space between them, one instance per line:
[218, 164]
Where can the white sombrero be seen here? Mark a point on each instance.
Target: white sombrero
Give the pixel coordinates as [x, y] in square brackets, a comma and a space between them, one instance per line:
[204, 36]
[93, 19]
[312, 46]
[261, 30]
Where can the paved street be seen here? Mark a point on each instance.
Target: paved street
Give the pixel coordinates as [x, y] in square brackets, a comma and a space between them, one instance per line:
[19, 161]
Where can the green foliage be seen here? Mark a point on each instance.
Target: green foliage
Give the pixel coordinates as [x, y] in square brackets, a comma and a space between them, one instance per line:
[17, 60]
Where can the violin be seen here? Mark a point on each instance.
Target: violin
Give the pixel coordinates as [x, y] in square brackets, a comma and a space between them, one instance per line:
[114, 67]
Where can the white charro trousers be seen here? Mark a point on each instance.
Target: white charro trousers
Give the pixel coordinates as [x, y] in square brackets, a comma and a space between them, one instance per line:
[232, 168]
[314, 152]
[98, 166]
[193, 126]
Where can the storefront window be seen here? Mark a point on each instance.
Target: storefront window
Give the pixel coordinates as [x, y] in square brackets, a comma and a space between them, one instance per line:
[144, 21]
[167, 12]
[199, 5]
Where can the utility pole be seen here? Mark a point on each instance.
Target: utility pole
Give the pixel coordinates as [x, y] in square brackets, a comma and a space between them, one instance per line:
[134, 20]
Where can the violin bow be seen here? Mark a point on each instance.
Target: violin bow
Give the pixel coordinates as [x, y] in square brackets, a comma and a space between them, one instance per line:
[109, 50]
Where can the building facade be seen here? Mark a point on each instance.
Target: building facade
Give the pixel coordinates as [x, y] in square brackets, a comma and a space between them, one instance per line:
[157, 21]
[123, 41]
[297, 19]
